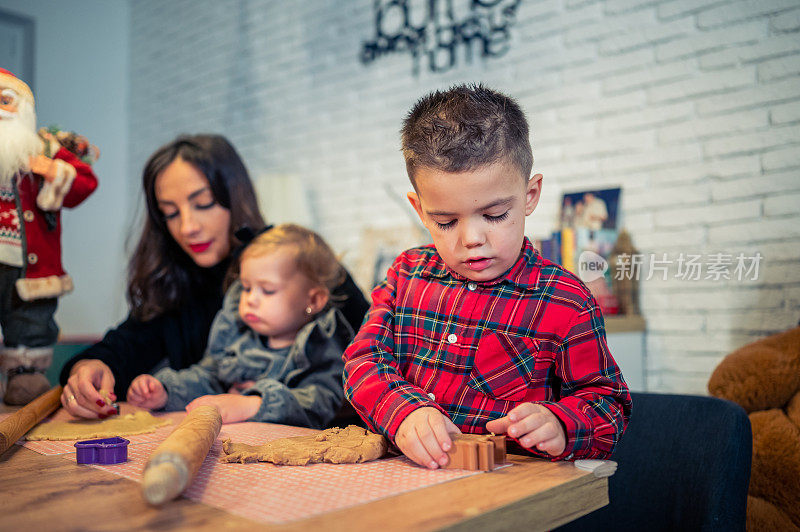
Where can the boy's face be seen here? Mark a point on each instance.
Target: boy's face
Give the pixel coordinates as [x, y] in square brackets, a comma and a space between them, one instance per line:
[476, 218]
[275, 296]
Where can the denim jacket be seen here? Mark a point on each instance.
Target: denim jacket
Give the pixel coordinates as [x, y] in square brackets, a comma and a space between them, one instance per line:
[304, 388]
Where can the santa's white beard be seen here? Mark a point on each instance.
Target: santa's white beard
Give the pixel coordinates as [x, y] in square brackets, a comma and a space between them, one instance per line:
[18, 141]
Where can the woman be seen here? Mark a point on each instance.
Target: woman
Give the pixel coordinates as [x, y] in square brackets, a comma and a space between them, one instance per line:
[198, 194]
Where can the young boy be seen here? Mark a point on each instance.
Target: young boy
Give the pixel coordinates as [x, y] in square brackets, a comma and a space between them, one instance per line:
[478, 332]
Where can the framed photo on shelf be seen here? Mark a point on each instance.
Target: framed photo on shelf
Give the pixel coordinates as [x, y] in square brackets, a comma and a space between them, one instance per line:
[590, 209]
[589, 230]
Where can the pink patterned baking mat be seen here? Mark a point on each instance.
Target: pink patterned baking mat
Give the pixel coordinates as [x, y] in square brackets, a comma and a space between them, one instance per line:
[268, 493]
[68, 446]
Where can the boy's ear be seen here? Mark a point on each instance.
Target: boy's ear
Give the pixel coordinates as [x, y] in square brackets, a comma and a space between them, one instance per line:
[317, 299]
[533, 191]
[413, 198]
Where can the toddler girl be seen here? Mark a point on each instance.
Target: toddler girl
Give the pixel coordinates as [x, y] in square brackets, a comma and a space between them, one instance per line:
[280, 354]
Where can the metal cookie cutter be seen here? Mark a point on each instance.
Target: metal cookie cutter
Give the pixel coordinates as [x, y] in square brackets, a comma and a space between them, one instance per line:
[103, 451]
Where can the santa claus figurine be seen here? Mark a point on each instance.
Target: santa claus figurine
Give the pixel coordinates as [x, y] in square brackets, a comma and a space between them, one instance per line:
[37, 178]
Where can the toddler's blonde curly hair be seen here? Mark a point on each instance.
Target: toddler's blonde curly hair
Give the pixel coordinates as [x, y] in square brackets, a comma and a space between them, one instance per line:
[314, 257]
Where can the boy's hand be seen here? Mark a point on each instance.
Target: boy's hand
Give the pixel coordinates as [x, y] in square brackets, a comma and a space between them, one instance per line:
[148, 392]
[533, 426]
[423, 436]
[232, 407]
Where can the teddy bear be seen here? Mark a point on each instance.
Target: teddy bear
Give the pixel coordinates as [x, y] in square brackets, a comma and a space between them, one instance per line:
[764, 378]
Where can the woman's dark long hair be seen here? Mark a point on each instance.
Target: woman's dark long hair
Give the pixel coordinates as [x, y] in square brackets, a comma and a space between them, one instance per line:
[160, 272]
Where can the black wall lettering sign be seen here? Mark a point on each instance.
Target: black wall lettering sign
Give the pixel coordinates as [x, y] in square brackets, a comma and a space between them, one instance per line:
[434, 31]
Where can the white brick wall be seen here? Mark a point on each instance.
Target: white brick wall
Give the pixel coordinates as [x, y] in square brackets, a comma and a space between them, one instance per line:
[692, 106]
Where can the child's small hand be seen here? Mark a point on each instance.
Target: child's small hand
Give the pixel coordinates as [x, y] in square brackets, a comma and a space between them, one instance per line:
[232, 407]
[239, 387]
[423, 436]
[148, 392]
[533, 426]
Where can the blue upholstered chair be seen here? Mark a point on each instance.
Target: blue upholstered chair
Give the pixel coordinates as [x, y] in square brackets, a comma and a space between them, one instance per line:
[683, 464]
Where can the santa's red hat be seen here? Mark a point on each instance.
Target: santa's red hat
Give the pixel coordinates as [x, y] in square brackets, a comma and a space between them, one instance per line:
[10, 81]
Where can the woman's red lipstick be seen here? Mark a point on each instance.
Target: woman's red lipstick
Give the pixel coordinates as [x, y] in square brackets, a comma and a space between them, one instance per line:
[199, 248]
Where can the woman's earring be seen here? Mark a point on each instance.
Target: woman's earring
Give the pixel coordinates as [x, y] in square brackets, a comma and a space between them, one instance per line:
[309, 310]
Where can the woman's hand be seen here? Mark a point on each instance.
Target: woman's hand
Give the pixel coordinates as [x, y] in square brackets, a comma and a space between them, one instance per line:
[232, 407]
[147, 392]
[81, 395]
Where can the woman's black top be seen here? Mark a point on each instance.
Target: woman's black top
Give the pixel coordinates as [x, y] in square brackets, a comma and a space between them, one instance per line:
[179, 337]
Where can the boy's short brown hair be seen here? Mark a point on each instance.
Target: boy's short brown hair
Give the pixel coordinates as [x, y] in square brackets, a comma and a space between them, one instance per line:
[464, 128]
[314, 258]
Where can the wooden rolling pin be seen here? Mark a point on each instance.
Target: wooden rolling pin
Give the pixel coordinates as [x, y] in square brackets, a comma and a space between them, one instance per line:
[14, 426]
[174, 463]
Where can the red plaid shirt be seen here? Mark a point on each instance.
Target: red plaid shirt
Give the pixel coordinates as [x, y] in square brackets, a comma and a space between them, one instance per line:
[475, 350]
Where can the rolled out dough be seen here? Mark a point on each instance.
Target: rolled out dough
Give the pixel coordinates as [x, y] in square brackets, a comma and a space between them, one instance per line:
[137, 422]
[349, 445]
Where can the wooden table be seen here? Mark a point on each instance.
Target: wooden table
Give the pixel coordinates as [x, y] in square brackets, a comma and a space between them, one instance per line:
[40, 492]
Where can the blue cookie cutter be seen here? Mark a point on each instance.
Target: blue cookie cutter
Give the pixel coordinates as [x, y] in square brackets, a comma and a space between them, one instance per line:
[103, 451]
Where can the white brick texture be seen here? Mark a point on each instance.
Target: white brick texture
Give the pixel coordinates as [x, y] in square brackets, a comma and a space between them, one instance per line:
[691, 106]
